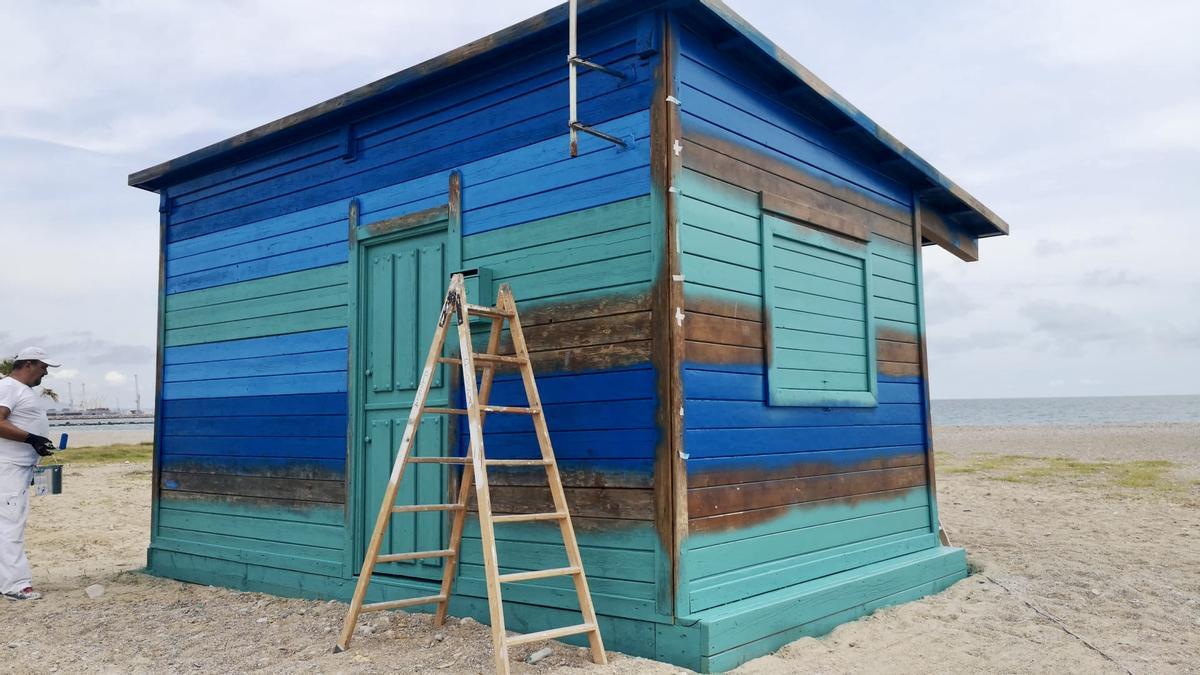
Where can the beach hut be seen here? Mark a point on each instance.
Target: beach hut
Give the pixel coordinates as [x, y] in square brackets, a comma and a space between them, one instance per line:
[723, 296]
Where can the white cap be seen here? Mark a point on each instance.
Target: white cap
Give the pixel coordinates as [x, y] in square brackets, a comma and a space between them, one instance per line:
[35, 354]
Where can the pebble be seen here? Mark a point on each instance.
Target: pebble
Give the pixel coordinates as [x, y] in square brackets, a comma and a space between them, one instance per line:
[94, 591]
[262, 620]
[439, 637]
[466, 620]
[539, 655]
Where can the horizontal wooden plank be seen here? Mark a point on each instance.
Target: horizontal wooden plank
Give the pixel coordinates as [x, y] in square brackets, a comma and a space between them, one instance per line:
[713, 501]
[738, 442]
[755, 172]
[256, 348]
[626, 504]
[293, 489]
[267, 527]
[810, 215]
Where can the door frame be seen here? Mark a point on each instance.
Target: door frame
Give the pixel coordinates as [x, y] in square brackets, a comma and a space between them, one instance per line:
[362, 237]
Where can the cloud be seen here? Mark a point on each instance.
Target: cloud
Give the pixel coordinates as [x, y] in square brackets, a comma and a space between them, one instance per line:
[1070, 325]
[1046, 247]
[115, 377]
[63, 373]
[1113, 278]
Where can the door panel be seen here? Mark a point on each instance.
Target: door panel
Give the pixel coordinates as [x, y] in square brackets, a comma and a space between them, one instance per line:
[403, 282]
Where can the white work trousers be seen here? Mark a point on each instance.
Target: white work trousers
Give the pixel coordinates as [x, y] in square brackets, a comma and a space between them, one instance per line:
[14, 511]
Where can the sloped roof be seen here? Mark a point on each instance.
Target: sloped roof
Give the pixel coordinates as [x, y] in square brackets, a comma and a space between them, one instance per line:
[933, 186]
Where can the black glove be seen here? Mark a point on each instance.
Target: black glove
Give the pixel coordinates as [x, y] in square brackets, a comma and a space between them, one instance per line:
[43, 445]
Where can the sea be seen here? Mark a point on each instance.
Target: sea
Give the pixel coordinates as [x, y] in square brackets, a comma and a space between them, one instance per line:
[1081, 411]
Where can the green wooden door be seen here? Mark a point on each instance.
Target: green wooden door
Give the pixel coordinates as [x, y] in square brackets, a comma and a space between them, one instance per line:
[401, 285]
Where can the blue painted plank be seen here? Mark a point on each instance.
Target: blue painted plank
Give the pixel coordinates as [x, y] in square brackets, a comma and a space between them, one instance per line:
[300, 404]
[636, 414]
[230, 446]
[732, 442]
[837, 460]
[745, 383]
[252, 348]
[270, 385]
[251, 233]
[613, 385]
[320, 256]
[268, 427]
[333, 360]
[709, 414]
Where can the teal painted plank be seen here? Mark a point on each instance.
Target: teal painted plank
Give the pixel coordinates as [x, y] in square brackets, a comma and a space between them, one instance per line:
[892, 269]
[767, 577]
[629, 535]
[282, 284]
[816, 284]
[905, 312]
[263, 528]
[258, 307]
[228, 541]
[600, 275]
[311, 514]
[817, 323]
[790, 338]
[715, 245]
[746, 554]
[786, 298]
[819, 380]
[698, 214]
[719, 193]
[559, 229]
[795, 359]
[732, 658]
[721, 274]
[251, 556]
[891, 289]
[730, 626]
[319, 319]
[817, 513]
[599, 562]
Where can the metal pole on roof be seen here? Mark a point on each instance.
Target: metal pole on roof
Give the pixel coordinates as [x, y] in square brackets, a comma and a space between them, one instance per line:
[572, 56]
[573, 61]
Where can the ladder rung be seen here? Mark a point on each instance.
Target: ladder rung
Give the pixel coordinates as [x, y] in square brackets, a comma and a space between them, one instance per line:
[516, 410]
[537, 574]
[516, 462]
[419, 555]
[526, 517]
[493, 358]
[551, 634]
[400, 604]
[494, 312]
[416, 508]
[439, 460]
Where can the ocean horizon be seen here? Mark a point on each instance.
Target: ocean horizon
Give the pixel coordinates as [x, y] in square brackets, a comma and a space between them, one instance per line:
[1066, 411]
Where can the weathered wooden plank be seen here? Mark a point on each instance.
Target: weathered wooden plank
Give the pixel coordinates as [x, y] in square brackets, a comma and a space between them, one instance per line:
[283, 284]
[815, 216]
[947, 234]
[723, 330]
[621, 504]
[333, 492]
[757, 172]
[719, 500]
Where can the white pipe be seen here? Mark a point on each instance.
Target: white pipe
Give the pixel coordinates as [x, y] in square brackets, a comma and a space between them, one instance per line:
[571, 48]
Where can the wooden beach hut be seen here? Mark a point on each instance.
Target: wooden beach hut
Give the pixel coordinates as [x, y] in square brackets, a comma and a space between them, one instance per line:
[723, 298]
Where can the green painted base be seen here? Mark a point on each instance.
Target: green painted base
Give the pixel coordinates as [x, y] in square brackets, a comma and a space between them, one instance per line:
[711, 641]
[725, 637]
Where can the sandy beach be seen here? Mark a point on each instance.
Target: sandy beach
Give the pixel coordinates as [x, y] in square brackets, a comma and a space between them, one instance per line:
[1085, 545]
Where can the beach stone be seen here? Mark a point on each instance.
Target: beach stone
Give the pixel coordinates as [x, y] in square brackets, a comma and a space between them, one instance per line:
[539, 655]
[94, 591]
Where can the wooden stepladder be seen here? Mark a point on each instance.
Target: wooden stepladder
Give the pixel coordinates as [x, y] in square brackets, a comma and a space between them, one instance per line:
[456, 307]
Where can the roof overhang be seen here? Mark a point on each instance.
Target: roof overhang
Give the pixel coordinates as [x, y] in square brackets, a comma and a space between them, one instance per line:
[954, 218]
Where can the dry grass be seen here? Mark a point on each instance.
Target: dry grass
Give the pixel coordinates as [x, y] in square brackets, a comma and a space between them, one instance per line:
[1148, 476]
[104, 454]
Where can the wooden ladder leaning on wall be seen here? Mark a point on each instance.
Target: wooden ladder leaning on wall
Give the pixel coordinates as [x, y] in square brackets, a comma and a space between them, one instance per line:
[456, 306]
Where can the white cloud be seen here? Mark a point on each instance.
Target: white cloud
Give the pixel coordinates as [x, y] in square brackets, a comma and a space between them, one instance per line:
[115, 377]
[63, 373]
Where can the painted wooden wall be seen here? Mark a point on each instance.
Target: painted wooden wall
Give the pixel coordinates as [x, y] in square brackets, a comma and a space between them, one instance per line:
[253, 432]
[779, 495]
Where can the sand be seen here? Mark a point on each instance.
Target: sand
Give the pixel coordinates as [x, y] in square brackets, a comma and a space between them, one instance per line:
[1073, 574]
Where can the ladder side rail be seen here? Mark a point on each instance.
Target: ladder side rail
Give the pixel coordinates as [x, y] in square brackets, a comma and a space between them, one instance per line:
[571, 544]
[464, 488]
[483, 497]
[385, 507]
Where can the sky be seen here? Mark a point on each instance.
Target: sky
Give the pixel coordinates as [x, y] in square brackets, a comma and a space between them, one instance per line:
[1077, 121]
